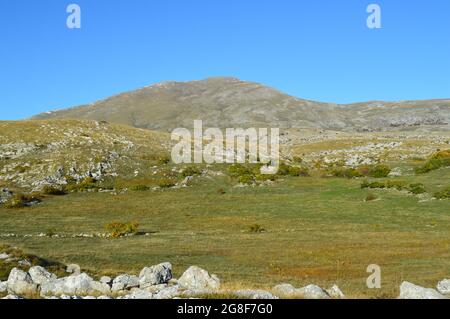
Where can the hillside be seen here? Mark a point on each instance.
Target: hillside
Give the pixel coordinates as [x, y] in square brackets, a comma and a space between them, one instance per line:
[35, 153]
[230, 102]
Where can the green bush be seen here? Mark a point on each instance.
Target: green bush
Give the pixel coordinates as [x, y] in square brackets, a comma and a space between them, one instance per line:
[256, 229]
[379, 171]
[246, 179]
[417, 188]
[287, 170]
[166, 183]
[367, 184]
[88, 183]
[118, 229]
[444, 194]
[237, 170]
[52, 190]
[370, 197]
[22, 200]
[139, 188]
[399, 185]
[191, 171]
[436, 161]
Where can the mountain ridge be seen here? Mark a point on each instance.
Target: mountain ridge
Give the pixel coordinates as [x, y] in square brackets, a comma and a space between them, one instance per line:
[230, 102]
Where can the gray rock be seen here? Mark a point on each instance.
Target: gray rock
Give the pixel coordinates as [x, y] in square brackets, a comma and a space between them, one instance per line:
[104, 298]
[195, 278]
[73, 285]
[40, 275]
[168, 293]
[24, 263]
[20, 283]
[255, 294]
[155, 275]
[335, 292]
[106, 280]
[444, 287]
[313, 292]
[139, 294]
[73, 269]
[287, 291]
[411, 291]
[101, 287]
[4, 256]
[124, 282]
[3, 286]
[12, 297]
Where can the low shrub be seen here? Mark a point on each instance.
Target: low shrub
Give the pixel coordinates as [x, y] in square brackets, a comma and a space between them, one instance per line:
[417, 188]
[436, 161]
[370, 197]
[399, 185]
[119, 229]
[163, 160]
[52, 190]
[87, 183]
[379, 171]
[166, 183]
[191, 171]
[22, 200]
[246, 179]
[444, 194]
[139, 188]
[288, 170]
[256, 229]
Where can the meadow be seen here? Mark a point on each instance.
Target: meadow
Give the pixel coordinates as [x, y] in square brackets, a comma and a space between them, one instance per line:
[299, 230]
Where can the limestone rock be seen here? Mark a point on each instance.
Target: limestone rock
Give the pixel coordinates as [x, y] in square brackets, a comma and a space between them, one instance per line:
[20, 283]
[195, 278]
[335, 292]
[255, 294]
[155, 275]
[313, 292]
[40, 275]
[444, 287]
[411, 291]
[124, 282]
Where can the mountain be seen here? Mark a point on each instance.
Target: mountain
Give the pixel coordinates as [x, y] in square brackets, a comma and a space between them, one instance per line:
[229, 102]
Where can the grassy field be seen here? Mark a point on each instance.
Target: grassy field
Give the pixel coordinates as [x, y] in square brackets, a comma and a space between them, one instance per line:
[317, 230]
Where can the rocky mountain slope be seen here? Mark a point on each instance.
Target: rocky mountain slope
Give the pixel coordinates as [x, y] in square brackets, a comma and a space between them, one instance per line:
[36, 153]
[230, 102]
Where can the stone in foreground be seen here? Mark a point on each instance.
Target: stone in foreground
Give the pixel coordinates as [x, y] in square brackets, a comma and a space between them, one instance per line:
[20, 283]
[411, 291]
[444, 287]
[197, 279]
[155, 275]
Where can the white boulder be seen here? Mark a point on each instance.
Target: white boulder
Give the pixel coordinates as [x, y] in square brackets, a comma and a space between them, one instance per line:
[40, 275]
[155, 275]
[197, 279]
[444, 287]
[20, 283]
[125, 282]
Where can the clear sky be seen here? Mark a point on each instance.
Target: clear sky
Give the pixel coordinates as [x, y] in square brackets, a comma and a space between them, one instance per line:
[314, 49]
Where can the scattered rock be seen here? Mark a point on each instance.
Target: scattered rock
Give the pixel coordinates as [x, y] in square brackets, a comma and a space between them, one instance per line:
[138, 294]
[40, 275]
[255, 294]
[124, 282]
[100, 287]
[155, 275]
[73, 269]
[335, 292]
[4, 256]
[24, 263]
[12, 297]
[73, 285]
[287, 291]
[313, 292]
[411, 291]
[3, 286]
[195, 278]
[444, 287]
[168, 293]
[20, 283]
[106, 280]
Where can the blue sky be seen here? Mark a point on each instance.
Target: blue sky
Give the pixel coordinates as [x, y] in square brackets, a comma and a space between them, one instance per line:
[314, 49]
